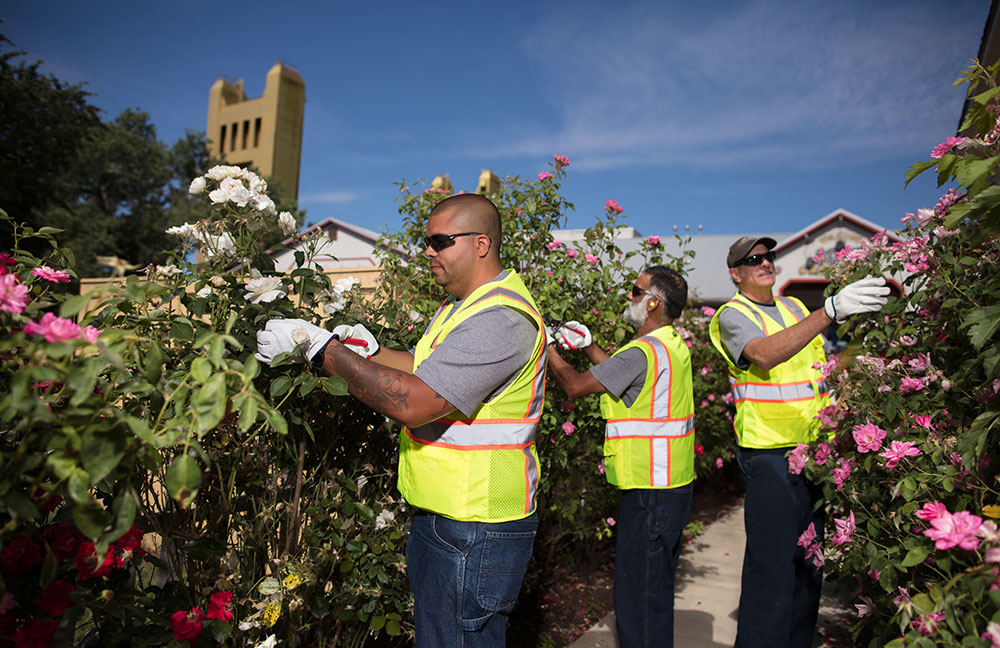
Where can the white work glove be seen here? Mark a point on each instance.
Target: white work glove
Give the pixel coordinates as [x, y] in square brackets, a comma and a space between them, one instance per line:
[357, 338]
[866, 295]
[573, 335]
[286, 335]
[549, 338]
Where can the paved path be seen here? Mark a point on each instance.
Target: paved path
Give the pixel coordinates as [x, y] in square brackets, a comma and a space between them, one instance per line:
[707, 595]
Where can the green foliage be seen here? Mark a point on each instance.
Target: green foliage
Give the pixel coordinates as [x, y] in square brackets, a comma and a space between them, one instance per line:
[915, 543]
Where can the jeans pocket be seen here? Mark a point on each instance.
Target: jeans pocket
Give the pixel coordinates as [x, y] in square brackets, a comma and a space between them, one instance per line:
[504, 561]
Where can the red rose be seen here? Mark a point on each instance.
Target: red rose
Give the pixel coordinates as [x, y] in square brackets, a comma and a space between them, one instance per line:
[698, 449]
[21, 555]
[129, 545]
[89, 565]
[186, 626]
[64, 540]
[55, 598]
[36, 633]
[218, 606]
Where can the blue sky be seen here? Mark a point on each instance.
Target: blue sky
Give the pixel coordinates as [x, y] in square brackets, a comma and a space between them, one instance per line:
[757, 116]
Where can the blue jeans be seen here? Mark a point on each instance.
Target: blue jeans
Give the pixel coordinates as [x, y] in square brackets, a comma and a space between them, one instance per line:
[465, 578]
[780, 589]
[650, 525]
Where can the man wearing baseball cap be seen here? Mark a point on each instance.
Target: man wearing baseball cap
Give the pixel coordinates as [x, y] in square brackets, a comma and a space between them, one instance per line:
[771, 344]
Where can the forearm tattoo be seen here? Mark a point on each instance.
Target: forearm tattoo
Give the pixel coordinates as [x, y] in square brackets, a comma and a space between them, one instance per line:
[378, 387]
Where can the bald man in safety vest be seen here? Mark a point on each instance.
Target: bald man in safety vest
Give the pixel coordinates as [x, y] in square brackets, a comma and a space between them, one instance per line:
[772, 345]
[647, 399]
[470, 396]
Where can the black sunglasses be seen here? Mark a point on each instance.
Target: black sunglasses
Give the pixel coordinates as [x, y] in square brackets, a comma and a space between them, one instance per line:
[758, 259]
[636, 291]
[438, 242]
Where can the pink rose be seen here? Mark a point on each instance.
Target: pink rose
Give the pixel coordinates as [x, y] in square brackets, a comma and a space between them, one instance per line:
[897, 450]
[571, 253]
[868, 436]
[944, 147]
[47, 273]
[562, 160]
[13, 296]
[55, 329]
[653, 240]
[845, 530]
[955, 530]
[611, 521]
[718, 462]
[568, 427]
[544, 175]
[591, 258]
[554, 245]
[908, 385]
[798, 458]
[807, 536]
[613, 207]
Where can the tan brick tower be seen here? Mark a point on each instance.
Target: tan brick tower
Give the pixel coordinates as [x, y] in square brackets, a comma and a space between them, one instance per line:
[265, 132]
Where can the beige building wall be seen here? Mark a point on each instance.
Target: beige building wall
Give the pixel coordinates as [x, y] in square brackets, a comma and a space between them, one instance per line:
[265, 132]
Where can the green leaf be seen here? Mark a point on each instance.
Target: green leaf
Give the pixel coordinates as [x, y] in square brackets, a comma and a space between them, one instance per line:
[209, 402]
[204, 549]
[376, 623]
[923, 604]
[280, 386]
[81, 381]
[123, 513]
[100, 452]
[972, 171]
[982, 323]
[269, 586]
[309, 383]
[915, 556]
[334, 385]
[20, 505]
[91, 519]
[153, 366]
[201, 369]
[251, 367]
[248, 414]
[73, 305]
[918, 168]
[181, 329]
[183, 479]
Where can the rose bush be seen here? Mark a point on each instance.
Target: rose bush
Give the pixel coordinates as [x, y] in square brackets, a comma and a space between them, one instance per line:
[907, 454]
[161, 487]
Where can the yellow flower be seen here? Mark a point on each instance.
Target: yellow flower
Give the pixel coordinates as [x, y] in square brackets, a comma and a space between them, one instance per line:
[272, 612]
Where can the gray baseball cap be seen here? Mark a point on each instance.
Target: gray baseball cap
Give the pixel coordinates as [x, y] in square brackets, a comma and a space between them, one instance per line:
[741, 248]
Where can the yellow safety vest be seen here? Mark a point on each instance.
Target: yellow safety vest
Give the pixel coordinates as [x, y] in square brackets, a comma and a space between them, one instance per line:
[776, 408]
[483, 468]
[651, 443]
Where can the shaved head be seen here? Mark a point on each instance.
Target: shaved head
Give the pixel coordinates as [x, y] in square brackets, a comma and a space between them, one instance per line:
[473, 213]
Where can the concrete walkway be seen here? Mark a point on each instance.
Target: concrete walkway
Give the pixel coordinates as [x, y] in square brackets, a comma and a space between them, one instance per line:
[707, 595]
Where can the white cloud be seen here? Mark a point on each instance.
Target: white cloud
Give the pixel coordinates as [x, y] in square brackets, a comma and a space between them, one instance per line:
[812, 84]
[326, 197]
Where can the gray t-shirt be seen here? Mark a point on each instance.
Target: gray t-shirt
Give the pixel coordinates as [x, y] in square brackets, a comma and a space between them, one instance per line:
[737, 330]
[480, 357]
[622, 375]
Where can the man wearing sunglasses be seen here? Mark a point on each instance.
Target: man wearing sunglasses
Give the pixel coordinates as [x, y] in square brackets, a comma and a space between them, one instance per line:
[647, 399]
[771, 345]
[470, 396]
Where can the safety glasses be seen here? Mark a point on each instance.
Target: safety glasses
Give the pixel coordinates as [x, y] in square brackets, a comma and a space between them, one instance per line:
[637, 291]
[438, 242]
[757, 259]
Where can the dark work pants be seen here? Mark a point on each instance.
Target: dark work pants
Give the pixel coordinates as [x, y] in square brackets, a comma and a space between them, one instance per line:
[650, 527]
[780, 590]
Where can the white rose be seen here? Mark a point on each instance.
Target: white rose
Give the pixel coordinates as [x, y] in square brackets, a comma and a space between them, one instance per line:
[344, 285]
[221, 171]
[300, 336]
[167, 270]
[270, 642]
[384, 518]
[264, 289]
[264, 205]
[287, 222]
[214, 245]
[204, 292]
[335, 306]
[197, 185]
[185, 231]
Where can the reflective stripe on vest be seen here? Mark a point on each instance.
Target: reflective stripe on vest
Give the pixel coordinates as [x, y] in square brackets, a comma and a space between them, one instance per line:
[651, 443]
[485, 467]
[775, 408]
[774, 393]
